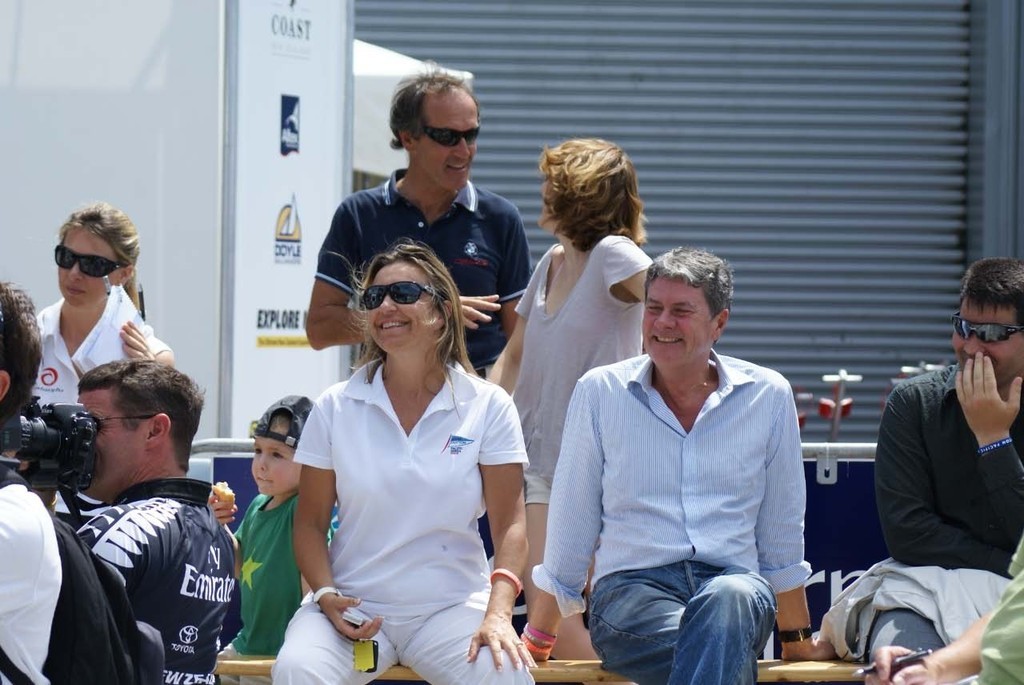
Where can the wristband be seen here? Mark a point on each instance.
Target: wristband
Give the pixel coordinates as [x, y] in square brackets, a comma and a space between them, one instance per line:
[539, 638]
[325, 591]
[538, 653]
[509, 576]
[995, 445]
[527, 639]
[796, 635]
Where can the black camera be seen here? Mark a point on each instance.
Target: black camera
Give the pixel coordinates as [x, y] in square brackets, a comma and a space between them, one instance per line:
[58, 441]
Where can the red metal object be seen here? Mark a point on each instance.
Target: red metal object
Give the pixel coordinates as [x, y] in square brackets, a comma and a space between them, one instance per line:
[803, 401]
[827, 408]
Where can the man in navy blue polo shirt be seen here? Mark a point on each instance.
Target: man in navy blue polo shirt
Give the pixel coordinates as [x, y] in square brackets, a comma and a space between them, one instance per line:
[477, 234]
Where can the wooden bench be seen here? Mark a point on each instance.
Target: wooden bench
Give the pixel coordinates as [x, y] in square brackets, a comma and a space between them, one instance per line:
[591, 672]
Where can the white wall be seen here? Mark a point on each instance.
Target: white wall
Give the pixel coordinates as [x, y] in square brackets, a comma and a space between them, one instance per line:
[120, 101]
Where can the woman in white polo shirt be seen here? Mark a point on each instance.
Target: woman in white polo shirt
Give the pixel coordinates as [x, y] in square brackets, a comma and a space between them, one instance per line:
[97, 242]
[413, 447]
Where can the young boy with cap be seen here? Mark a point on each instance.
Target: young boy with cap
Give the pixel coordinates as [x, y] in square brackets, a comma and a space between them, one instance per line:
[271, 585]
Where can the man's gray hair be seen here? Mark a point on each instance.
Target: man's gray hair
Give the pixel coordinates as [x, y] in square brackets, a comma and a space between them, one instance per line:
[698, 268]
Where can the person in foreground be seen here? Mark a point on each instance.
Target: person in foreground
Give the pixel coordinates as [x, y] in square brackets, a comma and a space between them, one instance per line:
[980, 500]
[992, 647]
[98, 248]
[949, 481]
[31, 572]
[413, 447]
[681, 474]
[271, 586]
[582, 309]
[160, 535]
[435, 118]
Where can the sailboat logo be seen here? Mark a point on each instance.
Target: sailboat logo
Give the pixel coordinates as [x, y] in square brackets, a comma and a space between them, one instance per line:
[288, 234]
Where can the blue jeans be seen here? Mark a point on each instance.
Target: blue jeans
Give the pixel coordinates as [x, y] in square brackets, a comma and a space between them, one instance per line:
[687, 623]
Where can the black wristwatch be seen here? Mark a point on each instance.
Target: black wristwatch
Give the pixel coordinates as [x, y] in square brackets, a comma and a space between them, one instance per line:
[796, 635]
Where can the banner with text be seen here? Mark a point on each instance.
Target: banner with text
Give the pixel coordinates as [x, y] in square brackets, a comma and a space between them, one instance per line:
[288, 109]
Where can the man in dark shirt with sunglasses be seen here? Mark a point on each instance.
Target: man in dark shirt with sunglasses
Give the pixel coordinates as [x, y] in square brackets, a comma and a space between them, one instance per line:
[948, 475]
[477, 234]
[160, 535]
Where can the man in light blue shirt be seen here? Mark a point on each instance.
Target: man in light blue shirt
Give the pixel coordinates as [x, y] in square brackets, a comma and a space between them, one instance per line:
[680, 475]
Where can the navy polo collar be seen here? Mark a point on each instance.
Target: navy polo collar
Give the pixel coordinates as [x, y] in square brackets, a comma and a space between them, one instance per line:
[467, 196]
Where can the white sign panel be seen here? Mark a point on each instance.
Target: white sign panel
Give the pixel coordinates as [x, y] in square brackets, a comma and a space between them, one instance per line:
[288, 111]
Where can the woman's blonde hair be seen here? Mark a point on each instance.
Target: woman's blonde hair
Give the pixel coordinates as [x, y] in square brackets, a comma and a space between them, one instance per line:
[451, 345]
[592, 192]
[113, 227]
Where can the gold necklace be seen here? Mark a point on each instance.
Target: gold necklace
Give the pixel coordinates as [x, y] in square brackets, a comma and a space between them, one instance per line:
[703, 384]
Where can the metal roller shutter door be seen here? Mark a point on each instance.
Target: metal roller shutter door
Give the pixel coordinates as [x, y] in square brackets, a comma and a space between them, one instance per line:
[819, 146]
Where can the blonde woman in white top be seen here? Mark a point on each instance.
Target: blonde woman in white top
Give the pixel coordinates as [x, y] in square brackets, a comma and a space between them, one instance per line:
[98, 244]
[414, 447]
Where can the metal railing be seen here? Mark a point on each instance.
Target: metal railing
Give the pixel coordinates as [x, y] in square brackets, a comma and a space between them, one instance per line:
[223, 446]
[827, 455]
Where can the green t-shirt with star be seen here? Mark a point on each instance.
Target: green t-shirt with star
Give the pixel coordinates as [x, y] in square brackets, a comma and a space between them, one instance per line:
[270, 580]
[1002, 645]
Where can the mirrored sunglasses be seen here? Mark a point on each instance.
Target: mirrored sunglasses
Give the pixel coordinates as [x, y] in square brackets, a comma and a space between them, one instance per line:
[402, 292]
[449, 137]
[90, 264]
[986, 332]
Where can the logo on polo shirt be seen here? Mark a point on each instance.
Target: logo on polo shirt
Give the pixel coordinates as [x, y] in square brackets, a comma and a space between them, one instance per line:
[289, 124]
[49, 376]
[455, 444]
[288, 234]
[472, 257]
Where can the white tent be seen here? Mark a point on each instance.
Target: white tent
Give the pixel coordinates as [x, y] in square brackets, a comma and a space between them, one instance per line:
[377, 71]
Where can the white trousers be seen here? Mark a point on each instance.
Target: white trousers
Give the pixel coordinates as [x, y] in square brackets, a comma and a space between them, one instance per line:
[434, 646]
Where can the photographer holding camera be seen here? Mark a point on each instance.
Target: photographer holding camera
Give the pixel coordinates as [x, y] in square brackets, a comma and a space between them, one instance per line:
[176, 561]
[31, 573]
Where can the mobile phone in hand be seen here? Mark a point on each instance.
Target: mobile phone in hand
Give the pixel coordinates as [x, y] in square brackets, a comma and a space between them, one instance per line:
[897, 663]
[354, 617]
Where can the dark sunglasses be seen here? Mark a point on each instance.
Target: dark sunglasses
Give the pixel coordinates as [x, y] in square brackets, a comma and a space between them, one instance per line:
[102, 420]
[449, 137]
[986, 332]
[402, 292]
[90, 264]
